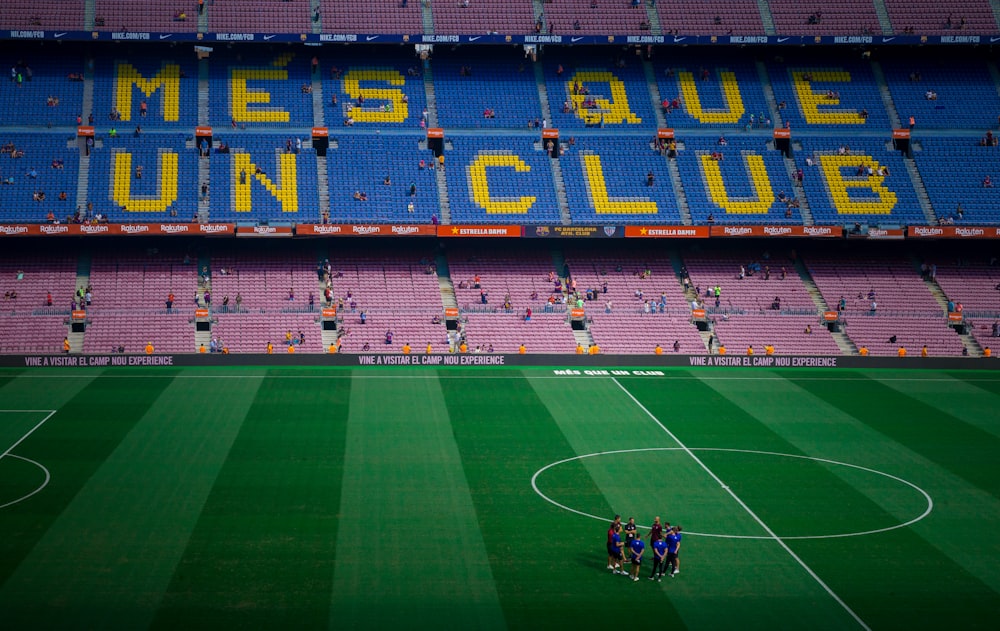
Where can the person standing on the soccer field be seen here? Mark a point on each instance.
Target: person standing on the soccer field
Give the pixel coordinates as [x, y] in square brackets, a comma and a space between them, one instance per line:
[617, 545]
[656, 530]
[630, 532]
[638, 548]
[612, 549]
[659, 559]
[674, 550]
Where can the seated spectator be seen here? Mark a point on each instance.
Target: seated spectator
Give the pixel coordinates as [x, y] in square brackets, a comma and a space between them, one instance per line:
[52, 101]
[180, 16]
[58, 164]
[987, 182]
[930, 95]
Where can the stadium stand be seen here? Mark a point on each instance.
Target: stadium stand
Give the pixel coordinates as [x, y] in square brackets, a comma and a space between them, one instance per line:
[456, 16]
[713, 91]
[44, 95]
[355, 16]
[166, 188]
[43, 14]
[468, 83]
[26, 177]
[944, 95]
[260, 89]
[235, 16]
[259, 179]
[500, 179]
[845, 17]
[840, 192]
[786, 333]
[608, 87]
[953, 171]
[910, 333]
[157, 16]
[391, 85]
[710, 17]
[585, 17]
[896, 283]
[743, 186]
[942, 18]
[607, 180]
[818, 94]
[757, 291]
[361, 163]
[166, 84]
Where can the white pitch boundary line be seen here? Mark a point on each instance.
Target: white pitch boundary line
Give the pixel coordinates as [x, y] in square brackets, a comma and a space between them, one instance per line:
[745, 507]
[30, 431]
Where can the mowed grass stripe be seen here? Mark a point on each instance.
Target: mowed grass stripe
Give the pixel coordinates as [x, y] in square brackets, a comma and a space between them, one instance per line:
[896, 579]
[73, 445]
[764, 586]
[113, 550]
[549, 565]
[969, 401]
[262, 552]
[596, 416]
[963, 449]
[409, 553]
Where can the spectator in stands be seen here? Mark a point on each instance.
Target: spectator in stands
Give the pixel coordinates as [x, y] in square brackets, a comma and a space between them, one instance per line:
[650, 179]
[987, 182]
[873, 307]
[901, 352]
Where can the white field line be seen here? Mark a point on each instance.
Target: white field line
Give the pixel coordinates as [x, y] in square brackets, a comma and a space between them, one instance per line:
[749, 511]
[30, 431]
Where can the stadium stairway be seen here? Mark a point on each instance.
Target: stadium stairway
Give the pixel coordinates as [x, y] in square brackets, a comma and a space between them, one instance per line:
[583, 337]
[883, 17]
[445, 283]
[82, 280]
[560, 185]
[995, 5]
[428, 18]
[765, 83]
[317, 25]
[968, 340]
[444, 205]
[432, 116]
[317, 94]
[654, 93]
[677, 265]
[678, 184]
[887, 100]
[921, 190]
[203, 93]
[766, 18]
[844, 343]
[653, 18]
[800, 193]
[89, 11]
[543, 91]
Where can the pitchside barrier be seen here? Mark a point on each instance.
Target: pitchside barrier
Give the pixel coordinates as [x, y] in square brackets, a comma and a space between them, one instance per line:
[568, 364]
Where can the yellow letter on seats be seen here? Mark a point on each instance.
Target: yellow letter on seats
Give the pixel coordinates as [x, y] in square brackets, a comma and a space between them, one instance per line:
[168, 78]
[615, 110]
[480, 184]
[287, 193]
[605, 205]
[121, 183]
[241, 95]
[398, 108]
[720, 197]
[730, 92]
[811, 101]
[831, 166]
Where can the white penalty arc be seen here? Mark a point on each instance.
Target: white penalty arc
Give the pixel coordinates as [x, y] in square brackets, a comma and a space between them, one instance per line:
[927, 497]
[44, 483]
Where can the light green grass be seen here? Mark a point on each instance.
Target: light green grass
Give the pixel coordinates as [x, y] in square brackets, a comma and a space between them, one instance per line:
[336, 498]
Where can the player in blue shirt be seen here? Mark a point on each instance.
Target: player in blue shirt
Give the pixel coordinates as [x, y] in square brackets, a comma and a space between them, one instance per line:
[615, 547]
[659, 559]
[638, 548]
[674, 550]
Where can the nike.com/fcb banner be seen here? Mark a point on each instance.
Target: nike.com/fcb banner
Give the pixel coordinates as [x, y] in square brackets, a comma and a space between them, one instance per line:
[502, 39]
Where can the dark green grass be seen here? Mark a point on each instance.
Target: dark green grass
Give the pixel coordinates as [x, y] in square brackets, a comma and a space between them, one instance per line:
[402, 498]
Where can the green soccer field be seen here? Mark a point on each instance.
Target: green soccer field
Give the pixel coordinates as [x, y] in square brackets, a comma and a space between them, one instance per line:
[454, 498]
